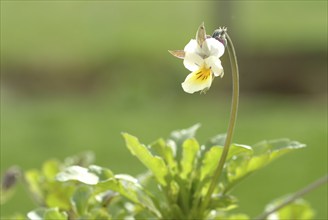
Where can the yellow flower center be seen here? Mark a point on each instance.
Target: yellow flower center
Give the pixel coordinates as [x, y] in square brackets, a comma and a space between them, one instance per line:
[202, 74]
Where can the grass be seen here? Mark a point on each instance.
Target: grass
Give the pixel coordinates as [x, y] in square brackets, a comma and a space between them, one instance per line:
[34, 130]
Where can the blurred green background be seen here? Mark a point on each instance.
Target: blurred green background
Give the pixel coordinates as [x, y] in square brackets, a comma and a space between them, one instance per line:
[74, 74]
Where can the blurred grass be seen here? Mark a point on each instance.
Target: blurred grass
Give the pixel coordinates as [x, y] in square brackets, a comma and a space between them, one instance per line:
[77, 73]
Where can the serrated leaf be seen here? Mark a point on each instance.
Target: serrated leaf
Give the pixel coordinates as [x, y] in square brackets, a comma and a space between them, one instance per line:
[78, 173]
[130, 188]
[210, 162]
[81, 198]
[127, 190]
[165, 151]
[281, 147]
[265, 152]
[236, 149]
[237, 167]
[217, 140]
[179, 136]
[188, 161]
[257, 162]
[154, 163]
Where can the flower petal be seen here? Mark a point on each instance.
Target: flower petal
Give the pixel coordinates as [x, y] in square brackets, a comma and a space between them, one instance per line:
[198, 80]
[213, 47]
[191, 46]
[215, 64]
[192, 61]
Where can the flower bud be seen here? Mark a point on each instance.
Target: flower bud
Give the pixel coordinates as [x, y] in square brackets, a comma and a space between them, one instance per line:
[219, 34]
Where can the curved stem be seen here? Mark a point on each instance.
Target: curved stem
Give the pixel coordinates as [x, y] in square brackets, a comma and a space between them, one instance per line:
[232, 122]
[295, 196]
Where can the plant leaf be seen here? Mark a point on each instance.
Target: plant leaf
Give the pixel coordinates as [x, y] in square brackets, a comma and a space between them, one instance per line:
[54, 214]
[130, 188]
[50, 168]
[47, 214]
[188, 161]
[32, 177]
[236, 149]
[217, 140]
[101, 172]
[78, 173]
[179, 136]
[246, 162]
[154, 163]
[210, 162]
[81, 198]
[299, 209]
[165, 151]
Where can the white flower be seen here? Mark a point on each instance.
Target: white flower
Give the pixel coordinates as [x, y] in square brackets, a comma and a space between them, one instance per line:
[202, 57]
[204, 63]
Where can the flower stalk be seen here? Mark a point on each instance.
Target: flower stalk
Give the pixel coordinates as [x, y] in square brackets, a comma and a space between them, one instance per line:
[232, 121]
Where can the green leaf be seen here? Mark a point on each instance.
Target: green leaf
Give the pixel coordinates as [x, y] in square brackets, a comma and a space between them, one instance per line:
[213, 155]
[223, 216]
[78, 173]
[217, 140]
[126, 190]
[238, 217]
[210, 162]
[55, 214]
[50, 168]
[179, 136]
[223, 202]
[299, 209]
[154, 163]
[47, 214]
[101, 172]
[188, 161]
[165, 151]
[236, 149]
[245, 161]
[59, 195]
[257, 162]
[81, 198]
[83, 159]
[130, 188]
[32, 178]
[99, 214]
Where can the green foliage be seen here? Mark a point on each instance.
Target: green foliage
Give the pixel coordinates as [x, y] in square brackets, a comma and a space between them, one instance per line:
[178, 177]
[299, 209]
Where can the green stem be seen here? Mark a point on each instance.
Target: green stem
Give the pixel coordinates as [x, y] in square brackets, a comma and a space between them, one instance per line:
[232, 122]
[295, 196]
